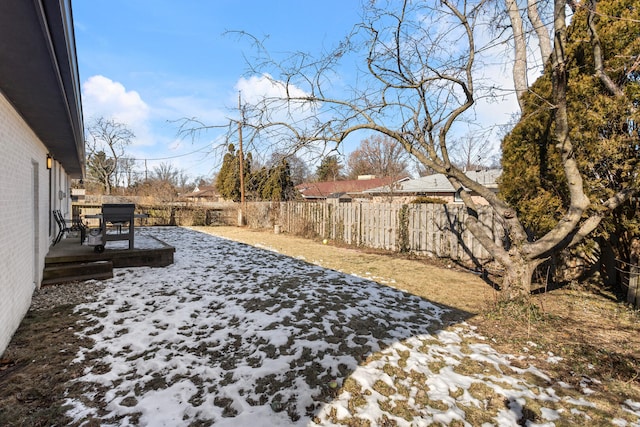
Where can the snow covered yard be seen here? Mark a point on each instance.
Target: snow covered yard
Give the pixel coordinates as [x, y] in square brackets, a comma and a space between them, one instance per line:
[234, 335]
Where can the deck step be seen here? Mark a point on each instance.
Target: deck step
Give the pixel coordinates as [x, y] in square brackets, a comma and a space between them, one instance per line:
[77, 271]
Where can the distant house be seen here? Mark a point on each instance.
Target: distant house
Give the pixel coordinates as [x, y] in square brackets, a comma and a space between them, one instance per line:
[437, 186]
[203, 195]
[344, 190]
[41, 140]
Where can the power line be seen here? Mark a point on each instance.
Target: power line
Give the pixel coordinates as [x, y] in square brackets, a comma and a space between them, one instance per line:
[173, 157]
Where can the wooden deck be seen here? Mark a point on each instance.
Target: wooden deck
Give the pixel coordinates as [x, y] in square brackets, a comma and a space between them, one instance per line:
[70, 261]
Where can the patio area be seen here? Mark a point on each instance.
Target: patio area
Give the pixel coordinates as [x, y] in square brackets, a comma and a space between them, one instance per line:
[70, 261]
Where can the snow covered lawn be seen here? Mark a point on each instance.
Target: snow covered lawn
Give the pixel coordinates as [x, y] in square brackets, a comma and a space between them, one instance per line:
[234, 335]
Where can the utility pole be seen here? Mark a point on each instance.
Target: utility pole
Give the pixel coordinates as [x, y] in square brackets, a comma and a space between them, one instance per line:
[243, 206]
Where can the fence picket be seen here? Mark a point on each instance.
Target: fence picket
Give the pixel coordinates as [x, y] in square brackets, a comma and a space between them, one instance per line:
[435, 229]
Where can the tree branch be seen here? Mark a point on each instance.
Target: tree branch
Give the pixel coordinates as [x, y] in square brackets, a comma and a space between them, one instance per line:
[544, 41]
[598, 56]
[520, 52]
[578, 201]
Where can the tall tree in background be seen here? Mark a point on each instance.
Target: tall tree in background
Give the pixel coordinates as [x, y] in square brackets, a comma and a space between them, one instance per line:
[105, 146]
[126, 171]
[99, 171]
[299, 171]
[228, 179]
[275, 183]
[420, 79]
[166, 172]
[163, 182]
[378, 155]
[271, 182]
[330, 169]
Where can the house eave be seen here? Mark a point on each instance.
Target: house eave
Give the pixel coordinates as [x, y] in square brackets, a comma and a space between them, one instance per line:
[39, 75]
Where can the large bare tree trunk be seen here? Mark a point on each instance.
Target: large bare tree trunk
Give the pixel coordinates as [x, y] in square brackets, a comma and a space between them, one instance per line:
[516, 282]
[520, 79]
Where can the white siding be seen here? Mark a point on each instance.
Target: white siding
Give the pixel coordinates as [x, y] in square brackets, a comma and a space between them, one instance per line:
[24, 239]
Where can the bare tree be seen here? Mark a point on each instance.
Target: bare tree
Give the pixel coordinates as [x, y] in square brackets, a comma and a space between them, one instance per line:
[471, 152]
[520, 80]
[378, 155]
[105, 147]
[126, 172]
[166, 172]
[166, 183]
[420, 82]
[541, 30]
[184, 182]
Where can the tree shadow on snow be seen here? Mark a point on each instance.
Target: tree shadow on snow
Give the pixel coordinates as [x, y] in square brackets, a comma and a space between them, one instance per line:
[270, 331]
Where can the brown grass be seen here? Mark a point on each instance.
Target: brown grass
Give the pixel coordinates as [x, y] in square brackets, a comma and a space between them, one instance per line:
[36, 367]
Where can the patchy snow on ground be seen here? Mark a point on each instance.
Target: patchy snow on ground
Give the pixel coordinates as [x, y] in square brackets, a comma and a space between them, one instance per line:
[234, 335]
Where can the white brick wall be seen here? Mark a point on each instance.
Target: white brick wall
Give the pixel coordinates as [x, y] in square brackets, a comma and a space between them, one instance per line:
[24, 239]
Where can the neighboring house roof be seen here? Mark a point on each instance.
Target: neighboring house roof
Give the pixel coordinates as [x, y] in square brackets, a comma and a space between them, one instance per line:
[39, 75]
[205, 192]
[438, 183]
[322, 190]
[339, 196]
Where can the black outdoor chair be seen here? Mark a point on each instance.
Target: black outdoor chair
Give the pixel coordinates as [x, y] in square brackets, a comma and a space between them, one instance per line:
[62, 226]
[77, 224]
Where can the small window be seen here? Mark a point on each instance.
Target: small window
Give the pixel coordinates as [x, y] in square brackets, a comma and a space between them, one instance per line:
[456, 197]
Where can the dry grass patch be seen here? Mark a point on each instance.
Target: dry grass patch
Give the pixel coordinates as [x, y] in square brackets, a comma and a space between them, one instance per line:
[476, 369]
[36, 368]
[384, 388]
[396, 372]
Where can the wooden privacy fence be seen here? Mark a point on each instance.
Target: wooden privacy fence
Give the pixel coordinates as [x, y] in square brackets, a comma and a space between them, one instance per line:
[173, 213]
[428, 229]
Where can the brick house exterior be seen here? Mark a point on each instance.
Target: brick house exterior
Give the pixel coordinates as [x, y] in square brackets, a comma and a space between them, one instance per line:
[40, 119]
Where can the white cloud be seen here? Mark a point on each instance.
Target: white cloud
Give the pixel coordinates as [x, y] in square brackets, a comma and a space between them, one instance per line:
[102, 97]
[255, 89]
[155, 123]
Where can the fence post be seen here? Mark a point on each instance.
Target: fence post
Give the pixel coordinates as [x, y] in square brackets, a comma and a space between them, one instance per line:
[633, 294]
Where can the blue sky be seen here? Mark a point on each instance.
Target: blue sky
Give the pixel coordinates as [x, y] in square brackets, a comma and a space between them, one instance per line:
[149, 63]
